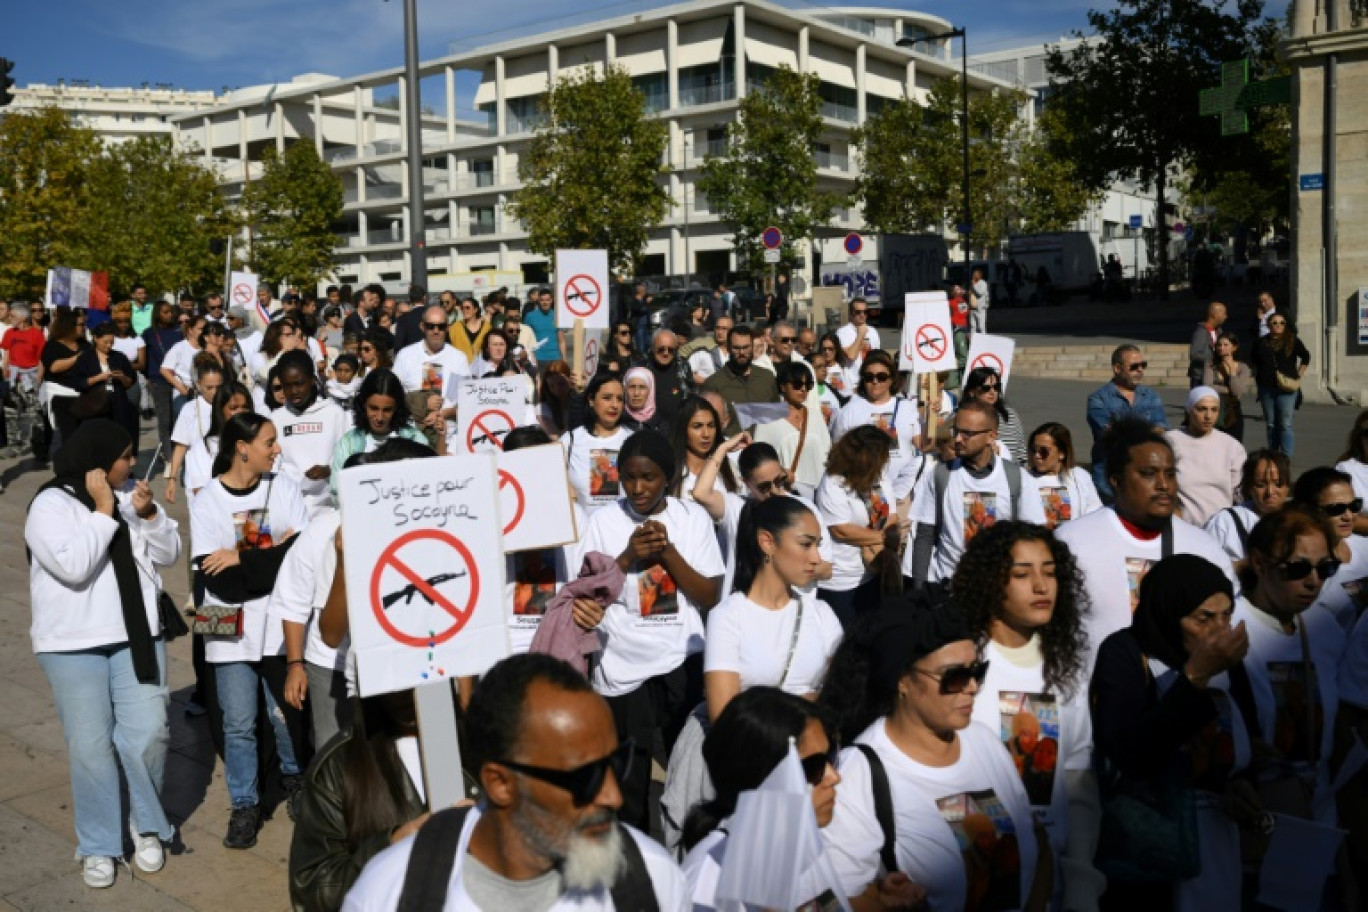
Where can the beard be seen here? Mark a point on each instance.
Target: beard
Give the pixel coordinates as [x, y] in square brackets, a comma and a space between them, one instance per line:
[586, 863]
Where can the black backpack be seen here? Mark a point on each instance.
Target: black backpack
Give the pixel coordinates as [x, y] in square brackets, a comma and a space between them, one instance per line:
[434, 856]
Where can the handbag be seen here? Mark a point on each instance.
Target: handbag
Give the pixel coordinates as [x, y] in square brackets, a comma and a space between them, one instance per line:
[218, 620]
[172, 621]
[1288, 384]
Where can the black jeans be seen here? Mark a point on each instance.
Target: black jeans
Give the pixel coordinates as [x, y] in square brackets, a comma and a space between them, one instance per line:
[161, 404]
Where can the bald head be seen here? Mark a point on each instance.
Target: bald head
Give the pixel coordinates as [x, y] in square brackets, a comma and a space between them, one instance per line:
[1215, 314]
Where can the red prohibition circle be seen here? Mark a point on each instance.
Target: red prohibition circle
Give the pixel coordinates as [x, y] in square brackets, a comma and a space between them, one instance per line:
[389, 558]
[591, 357]
[477, 423]
[242, 294]
[983, 359]
[933, 337]
[506, 479]
[579, 289]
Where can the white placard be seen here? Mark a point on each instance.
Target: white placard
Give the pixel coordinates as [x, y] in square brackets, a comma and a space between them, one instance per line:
[534, 499]
[991, 351]
[595, 348]
[773, 256]
[486, 410]
[582, 288]
[242, 292]
[425, 579]
[928, 341]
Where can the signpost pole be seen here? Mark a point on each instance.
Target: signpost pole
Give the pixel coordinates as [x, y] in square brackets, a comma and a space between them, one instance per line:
[441, 749]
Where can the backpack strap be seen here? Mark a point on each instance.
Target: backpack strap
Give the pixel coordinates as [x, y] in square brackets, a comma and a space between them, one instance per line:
[431, 862]
[883, 807]
[1166, 541]
[1240, 530]
[1013, 485]
[940, 480]
[632, 891]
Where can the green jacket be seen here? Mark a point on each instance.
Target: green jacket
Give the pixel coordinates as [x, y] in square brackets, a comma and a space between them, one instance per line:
[354, 441]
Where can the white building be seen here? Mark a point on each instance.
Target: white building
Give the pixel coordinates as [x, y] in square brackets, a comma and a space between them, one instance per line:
[693, 61]
[116, 114]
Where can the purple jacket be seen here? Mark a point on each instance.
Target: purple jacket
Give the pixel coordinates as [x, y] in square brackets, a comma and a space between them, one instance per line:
[558, 635]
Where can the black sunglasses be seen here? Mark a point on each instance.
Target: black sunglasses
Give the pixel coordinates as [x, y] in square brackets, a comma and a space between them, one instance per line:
[583, 782]
[785, 340]
[876, 378]
[1137, 366]
[434, 327]
[1337, 509]
[815, 766]
[956, 680]
[779, 482]
[1301, 568]
[800, 382]
[665, 350]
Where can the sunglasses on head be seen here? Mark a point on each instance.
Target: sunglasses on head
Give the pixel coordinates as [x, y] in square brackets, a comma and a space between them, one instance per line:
[876, 378]
[1301, 568]
[1337, 509]
[956, 679]
[779, 482]
[583, 782]
[815, 766]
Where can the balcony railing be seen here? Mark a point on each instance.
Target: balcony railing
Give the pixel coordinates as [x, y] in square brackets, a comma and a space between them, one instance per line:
[836, 161]
[384, 191]
[386, 236]
[714, 148]
[692, 96]
[476, 229]
[837, 111]
[438, 234]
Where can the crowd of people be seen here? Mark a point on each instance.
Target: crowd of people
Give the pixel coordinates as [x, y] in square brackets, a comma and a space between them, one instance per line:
[992, 678]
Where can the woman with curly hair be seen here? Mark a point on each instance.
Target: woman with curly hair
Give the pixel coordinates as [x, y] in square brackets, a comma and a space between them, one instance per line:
[1024, 600]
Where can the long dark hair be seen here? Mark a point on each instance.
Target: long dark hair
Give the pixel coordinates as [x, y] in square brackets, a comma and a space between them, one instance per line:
[1357, 445]
[380, 382]
[372, 774]
[241, 428]
[596, 384]
[383, 342]
[679, 442]
[975, 382]
[225, 394]
[746, 743]
[773, 515]
[981, 579]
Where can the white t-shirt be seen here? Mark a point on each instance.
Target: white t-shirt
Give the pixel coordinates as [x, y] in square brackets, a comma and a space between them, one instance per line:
[846, 336]
[250, 346]
[302, 587]
[934, 811]
[220, 519]
[382, 880]
[1067, 497]
[838, 505]
[652, 627]
[1221, 527]
[180, 360]
[980, 289]
[1045, 734]
[309, 439]
[897, 418]
[192, 422]
[1113, 562]
[199, 465]
[128, 346]
[703, 866]
[731, 520]
[418, 369]
[755, 642]
[592, 463]
[969, 506]
[1345, 594]
[1353, 672]
[845, 380]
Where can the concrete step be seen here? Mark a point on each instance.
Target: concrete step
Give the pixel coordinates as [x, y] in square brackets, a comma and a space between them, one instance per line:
[1167, 363]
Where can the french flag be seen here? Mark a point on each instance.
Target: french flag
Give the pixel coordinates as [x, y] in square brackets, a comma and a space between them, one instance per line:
[67, 287]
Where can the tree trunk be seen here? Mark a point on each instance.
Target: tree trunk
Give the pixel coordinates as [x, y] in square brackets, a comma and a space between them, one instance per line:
[1161, 231]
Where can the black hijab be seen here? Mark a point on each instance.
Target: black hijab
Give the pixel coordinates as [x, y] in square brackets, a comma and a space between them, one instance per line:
[1170, 591]
[97, 444]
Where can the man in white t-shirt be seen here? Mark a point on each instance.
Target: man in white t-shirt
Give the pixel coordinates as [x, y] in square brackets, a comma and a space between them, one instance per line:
[1116, 546]
[977, 492]
[545, 834]
[433, 364]
[857, 337]
[978, 303]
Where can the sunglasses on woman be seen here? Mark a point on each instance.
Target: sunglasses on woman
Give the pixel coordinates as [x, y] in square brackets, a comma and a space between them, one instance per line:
[956, 679]
[800, 383]
[1301, 568]
[815, 766]
[779, 482]
[583, 782]
[880, 377]
[1337, 509]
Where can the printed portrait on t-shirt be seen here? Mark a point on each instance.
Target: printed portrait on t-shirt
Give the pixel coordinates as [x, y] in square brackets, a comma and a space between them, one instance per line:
[826, 902]
[252, 529]
[603, 473]
[534, 583]
[1030, 730]
[1136, 568]
[885, 424]
[1211, 752]
[980, 512]
[1357, 590]
[658, 594]
[1058, 507]
[988, 843]
[432, 376]
[877, 504]
[826, 413]
[1296, 697]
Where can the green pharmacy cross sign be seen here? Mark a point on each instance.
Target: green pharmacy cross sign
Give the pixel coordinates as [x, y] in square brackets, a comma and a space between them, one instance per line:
[1236, 95]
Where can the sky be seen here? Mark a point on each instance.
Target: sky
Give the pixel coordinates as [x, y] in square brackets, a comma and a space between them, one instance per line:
[210, 44]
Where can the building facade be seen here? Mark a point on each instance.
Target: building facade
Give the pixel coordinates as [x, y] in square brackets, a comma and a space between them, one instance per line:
[115, 114]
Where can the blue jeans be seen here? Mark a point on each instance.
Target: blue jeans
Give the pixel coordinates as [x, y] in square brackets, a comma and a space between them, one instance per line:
[1278, 408]
[238, 684]
[106, 711]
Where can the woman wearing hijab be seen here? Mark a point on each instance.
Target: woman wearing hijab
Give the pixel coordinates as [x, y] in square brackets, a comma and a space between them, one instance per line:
[1175, 710]
[639, 400]
[96, 630]
[1209, 464]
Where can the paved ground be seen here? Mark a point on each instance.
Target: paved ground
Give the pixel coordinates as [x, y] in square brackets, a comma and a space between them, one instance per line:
[36, 834]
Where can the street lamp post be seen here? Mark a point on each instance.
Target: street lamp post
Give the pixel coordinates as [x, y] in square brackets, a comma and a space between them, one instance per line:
[412, 112]
[966, 228]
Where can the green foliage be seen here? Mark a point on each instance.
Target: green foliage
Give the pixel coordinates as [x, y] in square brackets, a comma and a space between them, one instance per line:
[591, 175]
[768, 175]
[45, 198]
[1049, 194]
[292, 209]
[892, 189]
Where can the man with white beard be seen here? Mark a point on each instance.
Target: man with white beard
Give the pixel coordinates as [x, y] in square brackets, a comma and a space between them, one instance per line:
[545, 834]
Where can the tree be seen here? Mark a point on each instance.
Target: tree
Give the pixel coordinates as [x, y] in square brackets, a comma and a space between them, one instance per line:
[591, 175]
[292, 209]
[893, 193]
[1130, 94]
[1048, 193]
[45, 197]
[768, 174]
[154, 212]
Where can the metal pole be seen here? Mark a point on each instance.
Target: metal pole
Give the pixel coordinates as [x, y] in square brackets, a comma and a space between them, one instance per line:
[1329, 228]
[964, 139]
[412, 108]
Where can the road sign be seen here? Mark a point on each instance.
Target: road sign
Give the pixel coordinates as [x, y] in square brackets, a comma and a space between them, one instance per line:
[242, 289]
[535, 500]
[773, 238]
[1307, 182]
[1179, 228]
[965, 228]
[926, 345]
[991, 351]
[853, 243]
[455, 591]
[582, 288]
[772, 256]
[1137, 221]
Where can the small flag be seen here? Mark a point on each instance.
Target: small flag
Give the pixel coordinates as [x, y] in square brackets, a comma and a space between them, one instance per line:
[67, 287]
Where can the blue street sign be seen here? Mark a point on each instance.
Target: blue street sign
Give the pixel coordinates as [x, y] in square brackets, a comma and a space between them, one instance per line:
[1312, 182]
[1137, 220]
[853, 243]
[772, 238]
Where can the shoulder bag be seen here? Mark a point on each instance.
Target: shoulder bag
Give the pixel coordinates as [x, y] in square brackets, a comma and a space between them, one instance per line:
[225, 620]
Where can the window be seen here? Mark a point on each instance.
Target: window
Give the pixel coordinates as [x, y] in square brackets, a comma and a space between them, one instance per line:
[482, 220]
[656, 88]
[707, 84]
[525, 115]
[483, 170]
[838, 102]
[757, 75]
[714, 143]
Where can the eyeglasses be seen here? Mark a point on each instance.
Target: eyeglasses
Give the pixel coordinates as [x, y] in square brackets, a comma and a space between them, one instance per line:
[434, 327]
[876, 378]
[859, 313]
[779, 482]
[583, 782]
[1277, 322]
[956, 680]
[800, 383]
[785, 340]
[1137, 366]
[1337, 509]
[1301, 568]
[815, 766]
[1043, 452]
[966, 432]
[665, 350]
[988, 388]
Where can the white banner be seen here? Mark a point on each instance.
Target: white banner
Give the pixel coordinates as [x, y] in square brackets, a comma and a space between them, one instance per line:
[242, 292]
[991, 351]
[582, 288]
[486, 410]
[425, 579]
[534, 499]
[928, 343]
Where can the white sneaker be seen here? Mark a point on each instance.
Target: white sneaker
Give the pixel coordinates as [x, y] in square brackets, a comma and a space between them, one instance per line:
[148, 853]
[99, 871]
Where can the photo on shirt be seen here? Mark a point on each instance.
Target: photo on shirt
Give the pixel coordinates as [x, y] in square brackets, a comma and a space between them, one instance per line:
[1357, 590]
[877, 505]
[1030, 731]
[825, 902]
[658, 594]
[252, 529]
[534, 583]
[1211, 752]
[1136, 568]
[885, 423]
[603, 474]
[1298, 710]
[988, 843]
[980, 512]
[432, 376]
[1057, 506]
